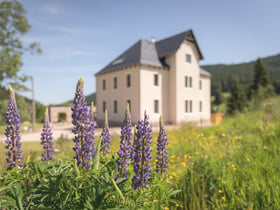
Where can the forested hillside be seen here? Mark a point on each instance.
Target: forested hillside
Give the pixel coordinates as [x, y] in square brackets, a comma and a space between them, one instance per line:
[224, 74]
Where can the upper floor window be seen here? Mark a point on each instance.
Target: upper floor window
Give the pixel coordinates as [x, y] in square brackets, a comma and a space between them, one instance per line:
[115, 82]
[200, 85]
[155, 79]
[156, 106]
[188, 58]
[115, 107]
[188, 81]
[104, 84]
[200, 106]
[128, 80]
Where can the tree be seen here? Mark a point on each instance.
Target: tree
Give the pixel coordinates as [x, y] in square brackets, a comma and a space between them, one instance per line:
[13, 24]
[218, 96]
[237, 100]
[261, 86]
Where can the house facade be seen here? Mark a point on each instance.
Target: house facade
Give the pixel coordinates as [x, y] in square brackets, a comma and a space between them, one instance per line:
[161, 78]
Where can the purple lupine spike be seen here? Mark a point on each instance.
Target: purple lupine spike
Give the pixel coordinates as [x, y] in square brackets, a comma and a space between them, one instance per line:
[106, 137]
[125, 151]
[142, 154]
[81, 122]
[92, 127]
[162, 154]
[13, 133]
[47, 139]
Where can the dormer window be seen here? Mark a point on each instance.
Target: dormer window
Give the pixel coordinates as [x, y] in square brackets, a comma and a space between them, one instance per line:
[188, 58]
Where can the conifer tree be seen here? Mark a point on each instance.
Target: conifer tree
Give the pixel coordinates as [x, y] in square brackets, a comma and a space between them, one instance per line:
[261, 86]
[237, 100]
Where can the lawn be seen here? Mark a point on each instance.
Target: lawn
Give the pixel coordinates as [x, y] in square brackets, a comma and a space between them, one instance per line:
[231, 166]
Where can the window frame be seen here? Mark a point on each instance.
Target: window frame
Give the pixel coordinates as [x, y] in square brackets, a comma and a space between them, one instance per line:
[156, 106]
[115, 107]
[115, 81]
[103, 106]
[104, 84]
[128, 80]
[188, 58]
[156, 80]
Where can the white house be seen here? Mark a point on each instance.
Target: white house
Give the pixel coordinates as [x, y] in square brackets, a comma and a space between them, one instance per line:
[161, 78]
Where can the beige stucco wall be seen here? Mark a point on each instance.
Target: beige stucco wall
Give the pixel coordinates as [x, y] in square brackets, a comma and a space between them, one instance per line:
[121, 94]
[187, 93]
[149, 92]
[205, 97]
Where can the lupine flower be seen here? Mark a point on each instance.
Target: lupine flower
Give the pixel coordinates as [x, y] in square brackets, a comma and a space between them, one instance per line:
[81, 122]
[47, 139]
[125, 146]
[162, 154]
[92, 127]
[13, 133]
[106, 137]
[142, 154]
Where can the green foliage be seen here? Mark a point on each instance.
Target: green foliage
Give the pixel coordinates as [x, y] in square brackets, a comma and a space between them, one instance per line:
[225, 74]
[261, 87]
[231, 166]
[237, 99]
[13, 24]
[219, 97]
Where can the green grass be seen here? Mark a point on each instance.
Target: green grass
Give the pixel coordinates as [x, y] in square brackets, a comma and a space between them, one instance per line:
[231, 166]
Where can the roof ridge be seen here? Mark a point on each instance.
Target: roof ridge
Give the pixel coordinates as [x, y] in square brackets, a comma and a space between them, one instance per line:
[187, 31]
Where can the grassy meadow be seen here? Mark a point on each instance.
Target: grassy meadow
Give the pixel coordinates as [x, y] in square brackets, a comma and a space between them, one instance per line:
[231, 166]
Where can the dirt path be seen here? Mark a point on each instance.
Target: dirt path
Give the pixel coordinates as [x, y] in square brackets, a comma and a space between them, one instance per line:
[59, 131]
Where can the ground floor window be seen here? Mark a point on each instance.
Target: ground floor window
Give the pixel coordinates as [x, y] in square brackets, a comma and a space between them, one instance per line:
[156, 106]
[188, 106]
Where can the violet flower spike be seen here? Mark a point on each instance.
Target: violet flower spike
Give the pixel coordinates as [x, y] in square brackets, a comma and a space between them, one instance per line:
[125, 151]
[142, 154]
[162, 153]
[47, 139]
[13, 133]
[80, 115]
[106, 137]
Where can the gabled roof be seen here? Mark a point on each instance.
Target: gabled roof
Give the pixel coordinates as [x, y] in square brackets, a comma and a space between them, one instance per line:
[142, 52]
[204, 72]
[171, 44]
[150, 53]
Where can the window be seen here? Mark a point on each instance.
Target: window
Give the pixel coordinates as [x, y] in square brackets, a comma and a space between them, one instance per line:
[188, 58]
[155, 79]
[115, 107]
[188, 81]
[129, 103]
[104, 84]
[128, 80]
[104, 106]
[200, 106]
[188, 106]
[156, 106]
[115, 83]
[200, 85]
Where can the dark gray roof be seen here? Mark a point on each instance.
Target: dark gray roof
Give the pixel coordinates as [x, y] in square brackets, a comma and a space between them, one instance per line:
[143, 52]
[204, 72]
[150, 53]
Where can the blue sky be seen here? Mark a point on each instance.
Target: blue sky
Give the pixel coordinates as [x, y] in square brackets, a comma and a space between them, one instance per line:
[78, 38]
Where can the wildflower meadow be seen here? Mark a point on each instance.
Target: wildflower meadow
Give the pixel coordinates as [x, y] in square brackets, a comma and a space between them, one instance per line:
[231, 166]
